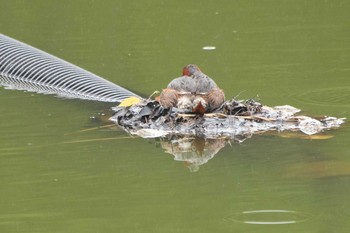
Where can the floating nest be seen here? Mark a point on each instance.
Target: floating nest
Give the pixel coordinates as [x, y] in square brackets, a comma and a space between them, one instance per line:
[235, 119]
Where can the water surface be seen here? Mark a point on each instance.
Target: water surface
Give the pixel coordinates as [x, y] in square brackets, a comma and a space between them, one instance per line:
[58, 177]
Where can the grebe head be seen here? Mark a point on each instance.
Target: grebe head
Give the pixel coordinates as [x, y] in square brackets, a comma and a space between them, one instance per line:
[190, 69]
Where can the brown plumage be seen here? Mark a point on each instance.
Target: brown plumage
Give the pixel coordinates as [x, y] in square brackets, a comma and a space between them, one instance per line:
[194, 91]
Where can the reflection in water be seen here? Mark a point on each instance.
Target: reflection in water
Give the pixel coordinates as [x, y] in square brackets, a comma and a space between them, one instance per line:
[319, 169]
[194, 151]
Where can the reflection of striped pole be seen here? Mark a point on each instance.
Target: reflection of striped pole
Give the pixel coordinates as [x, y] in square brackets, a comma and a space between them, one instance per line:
[23, 67]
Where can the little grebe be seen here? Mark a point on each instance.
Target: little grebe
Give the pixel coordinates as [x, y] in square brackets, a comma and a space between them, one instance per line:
[193, 91]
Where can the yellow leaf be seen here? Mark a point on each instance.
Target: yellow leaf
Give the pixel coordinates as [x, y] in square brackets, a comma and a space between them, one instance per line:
[129, 101]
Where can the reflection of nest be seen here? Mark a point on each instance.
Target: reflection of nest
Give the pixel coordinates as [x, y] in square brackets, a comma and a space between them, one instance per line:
[196, 139]
[234, 119]
[194, 151]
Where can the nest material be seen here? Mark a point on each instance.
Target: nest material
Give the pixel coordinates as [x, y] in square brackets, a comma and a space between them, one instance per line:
[235, 118]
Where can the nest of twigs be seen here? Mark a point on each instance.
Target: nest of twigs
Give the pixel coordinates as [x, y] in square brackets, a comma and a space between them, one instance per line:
[234, 118]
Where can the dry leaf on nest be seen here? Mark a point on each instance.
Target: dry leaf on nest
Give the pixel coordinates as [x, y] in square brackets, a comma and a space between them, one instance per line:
[129, 101]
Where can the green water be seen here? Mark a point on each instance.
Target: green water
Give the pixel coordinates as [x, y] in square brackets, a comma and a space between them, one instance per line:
[57, 177]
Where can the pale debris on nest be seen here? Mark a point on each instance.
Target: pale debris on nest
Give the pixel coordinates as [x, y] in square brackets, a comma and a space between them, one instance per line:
[235, 118]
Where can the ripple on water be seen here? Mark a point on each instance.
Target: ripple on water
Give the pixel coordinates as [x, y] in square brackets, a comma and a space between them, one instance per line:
[269, 217]
[338, 96]
[343, 212]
